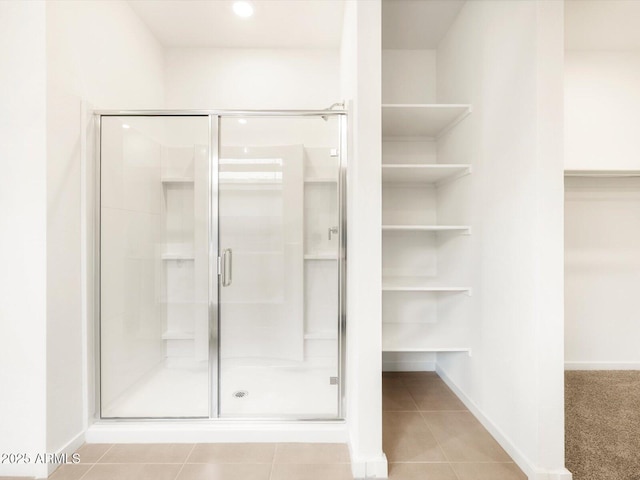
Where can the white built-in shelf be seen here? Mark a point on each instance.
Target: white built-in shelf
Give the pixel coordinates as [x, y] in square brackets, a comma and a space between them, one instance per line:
[426, 228]
[432, 174]
[169, 180]
[423, 337]
[327, 180]
[320, 336]
[266, 187]
[421, 120]
[419, 284]
[177, 336]
[164, 301]
[602, 173]
[427, 350]
[254, 302]
[252, 183]
[320, 256]
[258, 252]
[177, 256]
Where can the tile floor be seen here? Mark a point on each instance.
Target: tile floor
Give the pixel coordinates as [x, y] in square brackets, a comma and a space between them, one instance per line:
[214, 461]
[428, 435]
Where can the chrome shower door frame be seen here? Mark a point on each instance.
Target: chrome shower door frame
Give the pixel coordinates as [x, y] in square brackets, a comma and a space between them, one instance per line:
[214, 119]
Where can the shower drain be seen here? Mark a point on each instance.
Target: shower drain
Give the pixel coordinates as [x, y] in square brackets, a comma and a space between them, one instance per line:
[240, 394]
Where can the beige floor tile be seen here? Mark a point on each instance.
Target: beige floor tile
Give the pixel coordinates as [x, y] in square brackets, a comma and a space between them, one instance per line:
[406, 438]
[488, 471]
[238, 471]
[311, 472]
[412, 447]
[312, 453]
[388, 380]
[69, 472]
[232, 453]
[426, 379]
[437, 397]
[148, 453]
[396, 399]
[403, 422]
[132, 471]
[463, 438]
[91, 452]
[421, 471]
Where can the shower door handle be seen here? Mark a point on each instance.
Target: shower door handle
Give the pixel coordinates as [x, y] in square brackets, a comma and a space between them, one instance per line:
[227, 267]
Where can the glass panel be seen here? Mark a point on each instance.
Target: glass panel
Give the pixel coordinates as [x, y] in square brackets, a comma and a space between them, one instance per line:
[278, 220]
[154, 267]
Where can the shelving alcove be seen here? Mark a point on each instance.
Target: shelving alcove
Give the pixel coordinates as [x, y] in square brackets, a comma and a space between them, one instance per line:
[420, 301]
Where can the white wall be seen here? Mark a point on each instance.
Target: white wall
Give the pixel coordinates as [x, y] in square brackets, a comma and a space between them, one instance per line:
[602, 100]
[361, 87]
[253, 79]
[100, 53]
[505, 58]
[23, 242]
[602, 234]
[602, 74]
[408, 76]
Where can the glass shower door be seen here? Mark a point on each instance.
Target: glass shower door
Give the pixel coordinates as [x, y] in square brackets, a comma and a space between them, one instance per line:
[154, 266]
[279, 241]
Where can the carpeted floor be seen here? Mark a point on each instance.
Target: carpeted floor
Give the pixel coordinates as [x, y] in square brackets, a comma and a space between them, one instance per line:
[602, 410]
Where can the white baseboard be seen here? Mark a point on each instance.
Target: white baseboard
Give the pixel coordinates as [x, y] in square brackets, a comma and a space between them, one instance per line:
[562, 474]
[601, 365]
[408, 366]
[529, 469]
[218, 431]
[71, 446]
[365, 468]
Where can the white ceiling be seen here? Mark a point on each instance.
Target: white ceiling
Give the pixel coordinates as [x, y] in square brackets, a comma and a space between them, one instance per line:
[602, 25]
[418, 24]
[274, 24]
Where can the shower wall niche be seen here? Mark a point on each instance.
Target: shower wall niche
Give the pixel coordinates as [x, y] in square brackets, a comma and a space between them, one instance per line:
[185, 184]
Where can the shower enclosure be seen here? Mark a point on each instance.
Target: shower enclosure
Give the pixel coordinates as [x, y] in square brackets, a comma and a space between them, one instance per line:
[220, 264]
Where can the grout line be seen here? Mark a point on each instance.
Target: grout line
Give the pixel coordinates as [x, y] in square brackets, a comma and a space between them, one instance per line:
[412, 399]
[273, 461]
[435, 438]
[105, 452]
[96, 462]
[88, 470]
[185, 461]
[454, 471]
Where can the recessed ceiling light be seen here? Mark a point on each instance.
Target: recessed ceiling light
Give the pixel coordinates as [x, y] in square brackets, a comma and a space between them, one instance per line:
[243, 9]
[242, 121]
[124, 125]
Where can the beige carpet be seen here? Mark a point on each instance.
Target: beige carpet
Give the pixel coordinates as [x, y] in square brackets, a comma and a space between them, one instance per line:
[602, 410]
